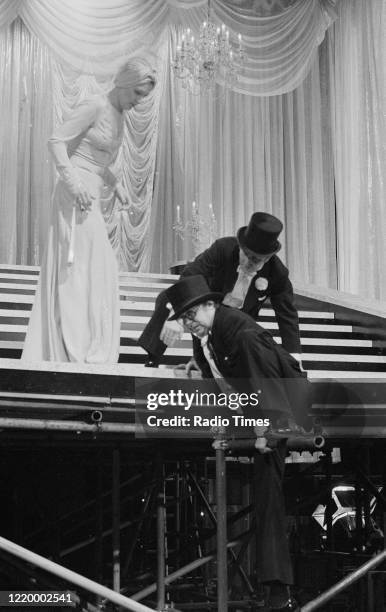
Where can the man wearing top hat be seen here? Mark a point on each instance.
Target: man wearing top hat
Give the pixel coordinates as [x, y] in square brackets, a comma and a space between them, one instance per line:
[246, 270]
[233, 347]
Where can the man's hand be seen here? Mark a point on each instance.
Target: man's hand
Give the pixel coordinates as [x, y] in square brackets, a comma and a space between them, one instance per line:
[261, 442]
[171, 332]
[188, 367]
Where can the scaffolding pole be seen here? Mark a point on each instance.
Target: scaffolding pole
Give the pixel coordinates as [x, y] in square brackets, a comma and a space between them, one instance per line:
[161, 565]
[116, 535]
[75, 426]
[214, 521]
[221, 504]
[72, 577]
[182, 571]
[344, 583]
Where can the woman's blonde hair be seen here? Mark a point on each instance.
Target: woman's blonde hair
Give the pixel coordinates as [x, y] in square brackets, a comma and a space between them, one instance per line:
[135, 71]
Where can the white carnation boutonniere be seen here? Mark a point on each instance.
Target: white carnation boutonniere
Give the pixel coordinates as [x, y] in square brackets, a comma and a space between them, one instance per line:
[261, 285]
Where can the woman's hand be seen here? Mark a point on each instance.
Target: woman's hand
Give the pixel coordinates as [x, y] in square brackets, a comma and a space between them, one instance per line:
[83, 198]
[121, 194]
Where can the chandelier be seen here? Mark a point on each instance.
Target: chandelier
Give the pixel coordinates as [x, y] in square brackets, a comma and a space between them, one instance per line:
[201, 62]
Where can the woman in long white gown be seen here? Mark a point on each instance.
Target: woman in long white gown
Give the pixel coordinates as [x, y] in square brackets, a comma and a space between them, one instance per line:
[76, 315]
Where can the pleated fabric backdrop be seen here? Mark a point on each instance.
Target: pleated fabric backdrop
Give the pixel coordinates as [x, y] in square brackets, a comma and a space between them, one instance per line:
[302, 135]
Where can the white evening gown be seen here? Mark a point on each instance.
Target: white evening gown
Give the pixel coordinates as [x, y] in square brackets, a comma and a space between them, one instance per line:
[76, 315]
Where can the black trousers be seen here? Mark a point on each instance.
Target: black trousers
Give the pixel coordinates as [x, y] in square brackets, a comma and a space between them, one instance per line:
[273, 560]
[150, 337]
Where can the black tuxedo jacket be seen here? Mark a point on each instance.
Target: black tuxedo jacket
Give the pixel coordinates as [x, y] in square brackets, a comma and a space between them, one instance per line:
[249, 358]
[219, 263]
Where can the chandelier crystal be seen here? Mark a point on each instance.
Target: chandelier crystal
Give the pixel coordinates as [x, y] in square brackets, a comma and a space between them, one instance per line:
[210, 58]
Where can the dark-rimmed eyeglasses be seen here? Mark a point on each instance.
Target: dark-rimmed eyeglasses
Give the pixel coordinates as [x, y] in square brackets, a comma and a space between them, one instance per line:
[190, 315]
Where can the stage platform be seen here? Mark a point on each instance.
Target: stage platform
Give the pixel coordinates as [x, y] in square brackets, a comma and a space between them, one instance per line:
[343, 353]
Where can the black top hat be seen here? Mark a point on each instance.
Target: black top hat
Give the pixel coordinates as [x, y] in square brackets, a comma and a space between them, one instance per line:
[188, 292]
[260, 235]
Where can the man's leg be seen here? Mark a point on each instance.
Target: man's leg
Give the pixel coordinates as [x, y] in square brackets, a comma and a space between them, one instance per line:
[150, 337]
[272, 551]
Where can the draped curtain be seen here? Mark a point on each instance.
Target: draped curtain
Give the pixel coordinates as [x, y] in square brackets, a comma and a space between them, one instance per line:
[26, 175]
[357, 94]
[282, 141]
[240, 154]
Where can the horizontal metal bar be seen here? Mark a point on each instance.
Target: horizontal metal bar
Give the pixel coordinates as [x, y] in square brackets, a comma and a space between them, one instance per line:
[353, 432]
[46, 396]
[361, 406]
[53, 404]
[295, 443]
[56, 425]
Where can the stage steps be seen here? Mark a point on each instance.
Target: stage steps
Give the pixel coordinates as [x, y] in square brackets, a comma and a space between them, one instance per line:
[331, 348]
[343, 353]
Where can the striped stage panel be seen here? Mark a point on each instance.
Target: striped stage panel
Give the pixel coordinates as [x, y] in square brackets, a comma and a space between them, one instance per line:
[330, 348]
[343, 353]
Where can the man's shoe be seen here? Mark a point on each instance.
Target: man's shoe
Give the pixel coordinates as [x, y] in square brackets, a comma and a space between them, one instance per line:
[279, 597]
[152, 362]
[290, 606]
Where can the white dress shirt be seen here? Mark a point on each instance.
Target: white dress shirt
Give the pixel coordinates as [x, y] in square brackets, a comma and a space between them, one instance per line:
[208, 356]
[221, 382]
[236, 297]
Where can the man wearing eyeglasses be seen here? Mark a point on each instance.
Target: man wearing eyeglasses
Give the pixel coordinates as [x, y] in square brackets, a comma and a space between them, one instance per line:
[246, 270]
[236, 349]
